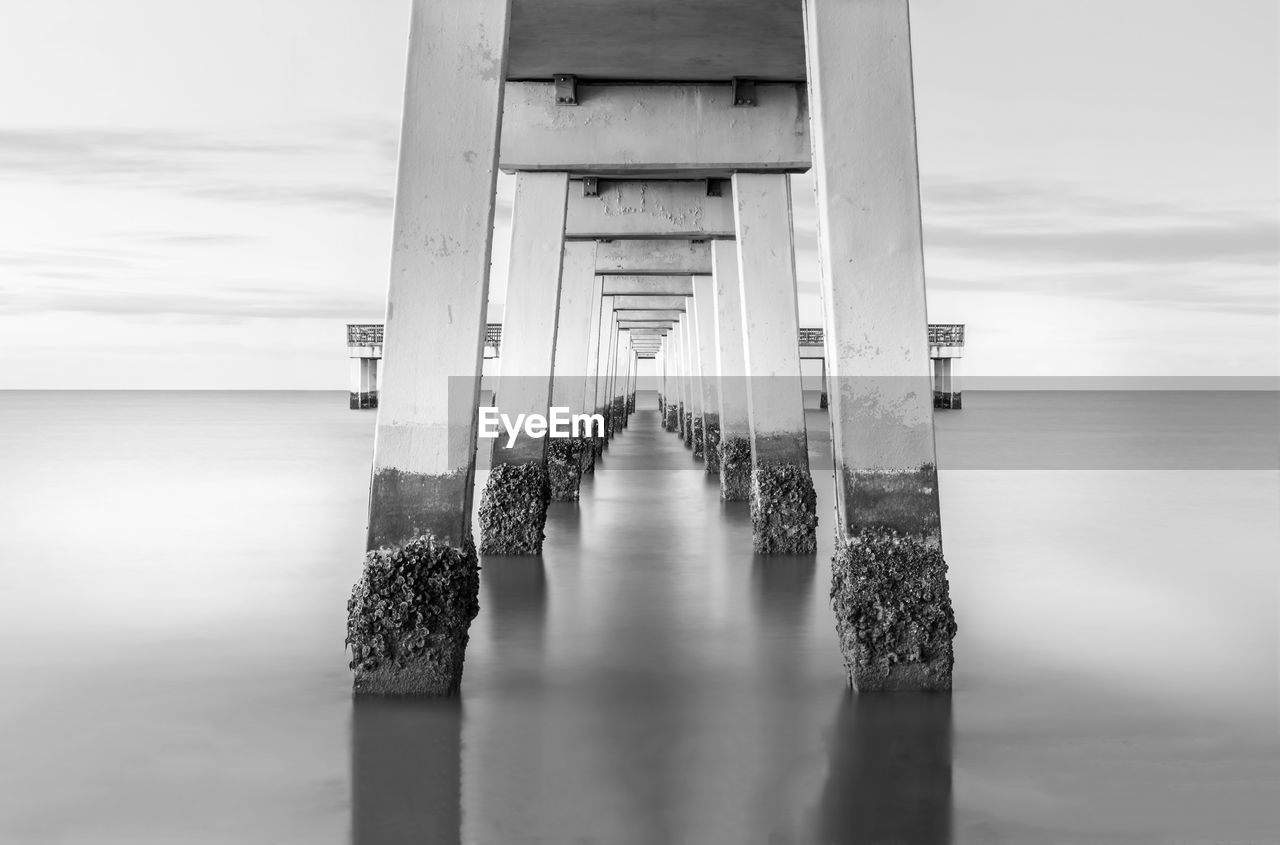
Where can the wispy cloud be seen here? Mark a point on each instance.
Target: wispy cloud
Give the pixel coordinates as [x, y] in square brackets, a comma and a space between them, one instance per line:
[193, 301]
[1026, 237]
[342, 167]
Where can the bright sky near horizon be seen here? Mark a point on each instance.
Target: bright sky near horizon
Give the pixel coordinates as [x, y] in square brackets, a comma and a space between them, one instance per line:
[198, 195]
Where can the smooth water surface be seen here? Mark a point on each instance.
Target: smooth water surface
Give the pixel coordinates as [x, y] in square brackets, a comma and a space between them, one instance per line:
[174, 569]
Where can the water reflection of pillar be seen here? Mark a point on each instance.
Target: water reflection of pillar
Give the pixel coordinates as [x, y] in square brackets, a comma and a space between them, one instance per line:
[784, 716]
[513, 596]
[889, 778]
[406, 770]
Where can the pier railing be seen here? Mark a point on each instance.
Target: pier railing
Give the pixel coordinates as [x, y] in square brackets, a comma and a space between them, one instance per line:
[364, 334]
[940, 334]
[370, 334]
[946, 334]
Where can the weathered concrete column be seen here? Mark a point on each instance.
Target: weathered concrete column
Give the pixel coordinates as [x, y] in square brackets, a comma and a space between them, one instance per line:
[618, 394]
[693, 413]
[660, 362]
[603, 363]
[670, 389]
[946, 386]
[409, 613]
[568, 389]
[633, 370]
[513, 508]
[783, 501]
[731, 369]
[889, 579]
[704, 315]
[590, 404]
[677, 341]
[364, 383]
[628, 367]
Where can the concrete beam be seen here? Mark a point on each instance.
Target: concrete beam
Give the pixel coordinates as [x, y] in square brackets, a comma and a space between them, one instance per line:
[667, 129]
[649, 303]
[661, 326]
[645, 315]
[648, 285]
[645, 257]
[649, 210]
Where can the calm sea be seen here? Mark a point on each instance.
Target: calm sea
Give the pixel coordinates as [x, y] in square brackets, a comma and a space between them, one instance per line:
[174, 570]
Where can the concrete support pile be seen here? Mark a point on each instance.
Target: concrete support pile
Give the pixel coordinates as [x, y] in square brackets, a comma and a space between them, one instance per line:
[889, 579]
[364, 383]
[567, 457]
[411, 608]
[946, 387]
[513, 508]
[783, 502]
[704, 316]
[731, 372]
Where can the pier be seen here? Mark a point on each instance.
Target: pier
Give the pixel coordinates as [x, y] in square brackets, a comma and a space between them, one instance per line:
[652, 144]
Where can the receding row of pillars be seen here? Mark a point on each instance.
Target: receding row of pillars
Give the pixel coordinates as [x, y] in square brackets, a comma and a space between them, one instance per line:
[730, 351]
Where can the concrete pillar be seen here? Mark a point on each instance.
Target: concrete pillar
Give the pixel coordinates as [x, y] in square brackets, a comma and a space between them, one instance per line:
[704, 315]
[421, 557]
[590, 402]
[618, 396]
[660, 364]
[633, 367]
[693, 412]
[946, 388]
[783, 501]
[889, 537]
[731, 370]
[628, 368]
[675, 421]
[604, 359]
[568, 389]
[513, 508]
[364, 383]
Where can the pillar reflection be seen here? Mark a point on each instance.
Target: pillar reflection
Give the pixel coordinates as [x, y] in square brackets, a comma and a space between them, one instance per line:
[406, 770]
[889, 777]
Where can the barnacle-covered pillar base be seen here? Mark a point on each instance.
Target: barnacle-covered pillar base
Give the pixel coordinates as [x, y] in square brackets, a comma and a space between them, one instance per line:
[784, 507]
[893, 612]
[565, 464]
[711, 442]
[513, 509]
[408, 617]
[735, 469]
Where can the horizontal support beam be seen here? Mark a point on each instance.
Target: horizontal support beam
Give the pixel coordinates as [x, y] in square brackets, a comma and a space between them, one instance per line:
[672, 128]
[645, 257]
[632, 303]
[633, 316]
[649, 210]
[663, 326]
[647, 285]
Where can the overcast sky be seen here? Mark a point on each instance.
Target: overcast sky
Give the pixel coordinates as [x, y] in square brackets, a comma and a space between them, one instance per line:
[198, 194]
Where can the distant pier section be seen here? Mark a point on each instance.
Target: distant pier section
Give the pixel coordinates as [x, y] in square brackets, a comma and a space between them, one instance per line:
[946, 345]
